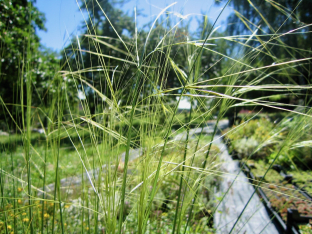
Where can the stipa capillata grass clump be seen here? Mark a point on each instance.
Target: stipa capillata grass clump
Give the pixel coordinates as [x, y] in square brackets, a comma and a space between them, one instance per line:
[122, 168]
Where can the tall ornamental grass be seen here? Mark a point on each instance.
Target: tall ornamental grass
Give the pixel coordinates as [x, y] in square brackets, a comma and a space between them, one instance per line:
[82, 173]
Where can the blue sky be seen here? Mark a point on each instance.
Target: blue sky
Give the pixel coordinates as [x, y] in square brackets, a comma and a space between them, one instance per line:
[64, 18]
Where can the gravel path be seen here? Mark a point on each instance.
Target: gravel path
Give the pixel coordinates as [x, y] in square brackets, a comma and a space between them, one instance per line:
[75, 181]
[255, 218]
[206, 130]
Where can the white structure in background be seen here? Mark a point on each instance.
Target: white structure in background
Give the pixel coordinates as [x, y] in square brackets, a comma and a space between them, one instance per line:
[185, 104]
[81, 95]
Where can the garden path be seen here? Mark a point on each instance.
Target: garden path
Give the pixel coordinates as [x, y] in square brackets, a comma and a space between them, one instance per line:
[255, 218]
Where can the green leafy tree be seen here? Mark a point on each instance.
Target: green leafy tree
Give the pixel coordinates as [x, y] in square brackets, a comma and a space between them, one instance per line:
[108, 54]
[19, 20]
[21, 57]
[277, 33]
[269, 17]
[99, 53]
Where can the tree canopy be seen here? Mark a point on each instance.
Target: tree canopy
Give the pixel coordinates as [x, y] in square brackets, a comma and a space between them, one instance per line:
[22, 57]
[277, 32]
[110, 50]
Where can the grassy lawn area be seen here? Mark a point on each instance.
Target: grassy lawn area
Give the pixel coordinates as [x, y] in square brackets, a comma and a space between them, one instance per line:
[69, 164]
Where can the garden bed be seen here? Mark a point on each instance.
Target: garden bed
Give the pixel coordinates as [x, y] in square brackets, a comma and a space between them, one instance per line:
[286, 188]
[163, 207]
[280, 195]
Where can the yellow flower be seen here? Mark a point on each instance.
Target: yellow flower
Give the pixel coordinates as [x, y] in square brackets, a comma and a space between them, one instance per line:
[66, 206]
[19, 190]
[19, 201]
[25, 219]
[46, 215]
[9, 227]
[87, 228]
[24, 213]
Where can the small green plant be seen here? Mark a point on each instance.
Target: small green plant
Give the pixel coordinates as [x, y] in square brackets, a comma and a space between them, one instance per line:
[245, 147]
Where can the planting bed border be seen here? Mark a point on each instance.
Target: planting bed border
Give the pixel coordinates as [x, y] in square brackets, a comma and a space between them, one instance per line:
[289, 178]
[293, 216]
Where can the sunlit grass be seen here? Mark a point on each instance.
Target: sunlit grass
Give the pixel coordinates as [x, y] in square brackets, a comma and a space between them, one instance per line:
[83, 174]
